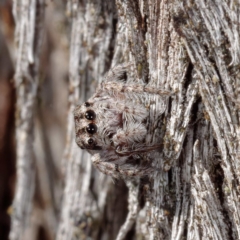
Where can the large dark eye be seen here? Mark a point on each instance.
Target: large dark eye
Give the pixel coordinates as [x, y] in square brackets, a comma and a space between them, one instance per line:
[90, 141]
[91, 128]
[87, 104]
[90, 115]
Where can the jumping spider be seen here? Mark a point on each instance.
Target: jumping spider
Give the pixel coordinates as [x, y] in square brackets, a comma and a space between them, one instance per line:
[113, 124]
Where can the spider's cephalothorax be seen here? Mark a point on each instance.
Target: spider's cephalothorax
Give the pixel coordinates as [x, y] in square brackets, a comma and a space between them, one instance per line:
[112, 124]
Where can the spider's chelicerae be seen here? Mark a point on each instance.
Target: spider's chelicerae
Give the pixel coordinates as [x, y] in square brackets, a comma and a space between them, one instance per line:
[113, 124]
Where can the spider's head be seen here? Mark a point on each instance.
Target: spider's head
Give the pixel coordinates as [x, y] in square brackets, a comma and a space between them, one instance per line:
[85, 127]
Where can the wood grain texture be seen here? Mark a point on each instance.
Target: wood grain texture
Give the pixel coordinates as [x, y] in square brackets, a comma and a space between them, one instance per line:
[189, 48]
[28, 16]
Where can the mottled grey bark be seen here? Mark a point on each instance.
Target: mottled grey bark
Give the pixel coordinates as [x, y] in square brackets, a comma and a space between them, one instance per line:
[84, 209]
[28, 16]
[190, 48]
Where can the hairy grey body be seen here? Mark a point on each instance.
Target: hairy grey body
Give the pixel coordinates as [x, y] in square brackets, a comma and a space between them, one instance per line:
[113, 124]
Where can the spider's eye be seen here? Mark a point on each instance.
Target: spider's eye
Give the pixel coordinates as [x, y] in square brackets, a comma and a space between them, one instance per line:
[90, 141]
[90, 115]
[87, 104]
[91, 128]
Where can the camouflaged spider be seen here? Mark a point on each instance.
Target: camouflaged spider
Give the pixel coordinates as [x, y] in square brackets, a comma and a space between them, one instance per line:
[113, 124]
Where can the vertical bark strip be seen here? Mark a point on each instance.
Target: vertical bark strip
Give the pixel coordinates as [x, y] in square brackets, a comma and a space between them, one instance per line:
[84, 210]
[28, 36]
[210, 30]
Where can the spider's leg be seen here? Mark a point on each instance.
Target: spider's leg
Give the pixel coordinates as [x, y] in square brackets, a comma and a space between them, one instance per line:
[137, 150]
[115, 170]
[107, 168]
[122, 87]
[118, 73]
[130, 134]
[106, 162]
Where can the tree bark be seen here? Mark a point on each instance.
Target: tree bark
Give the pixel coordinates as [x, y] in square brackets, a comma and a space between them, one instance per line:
[28, 17]
[190, 48]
